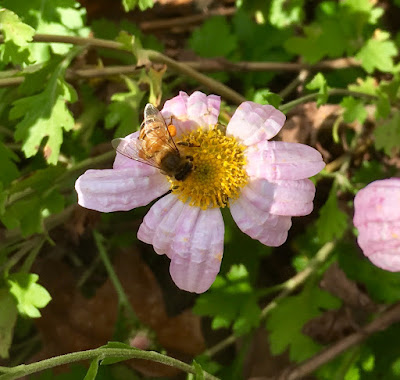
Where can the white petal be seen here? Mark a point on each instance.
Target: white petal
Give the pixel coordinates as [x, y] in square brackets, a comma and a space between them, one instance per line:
[191, 237]
[269, 229]
[119, 190]
[252, 123]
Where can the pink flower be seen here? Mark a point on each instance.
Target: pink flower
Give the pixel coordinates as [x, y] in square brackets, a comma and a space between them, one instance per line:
[377, 218]
[263, 182]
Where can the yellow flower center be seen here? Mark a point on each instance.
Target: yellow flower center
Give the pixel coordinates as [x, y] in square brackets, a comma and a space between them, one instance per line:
[218, 169]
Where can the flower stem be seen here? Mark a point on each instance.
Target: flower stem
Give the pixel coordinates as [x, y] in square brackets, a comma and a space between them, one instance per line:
[122, 297]
[293, 283]
[101, 353]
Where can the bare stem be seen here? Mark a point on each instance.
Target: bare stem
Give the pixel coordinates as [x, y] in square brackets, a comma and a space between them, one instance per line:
[333, 91]
[122, 297]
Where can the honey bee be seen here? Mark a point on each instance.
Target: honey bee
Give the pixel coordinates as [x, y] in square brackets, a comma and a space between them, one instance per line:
[155, 146]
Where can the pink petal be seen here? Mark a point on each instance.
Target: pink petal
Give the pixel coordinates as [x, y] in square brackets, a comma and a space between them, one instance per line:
[379, 201]
[203, 109]
[269, 229]
[379, 237]
[389, 260]
[191, 112]
[196, 269]
[119, 190]
[274, 160]
[163, 219]
[377, 217]
[192, 238]
[291, 198]
[252, 123]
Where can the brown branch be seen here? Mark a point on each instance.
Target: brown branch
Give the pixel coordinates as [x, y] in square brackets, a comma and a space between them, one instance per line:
[382, 322]
[205, 65]
[222, 64]
[155, 56]
[185, 20]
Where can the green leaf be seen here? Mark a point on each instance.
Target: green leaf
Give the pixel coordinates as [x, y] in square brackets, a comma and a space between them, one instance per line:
[286, 321]
[213, 39]
[354, 109]
[29, 212]
[284, 13]
[378, 53]
[231, 301]
[3, 199]
[338, 29]
[8, 317]
[369, 86]
[24, 214]
[39, 181]
[32, 199]
[332, 222]
[382, 286]
[383, 362]
[388, 93]
[45, 115]
[9, 170]
[324, 39]
[369, 171]
[92, 371]
[17, 35]
[29, 295]
[208, 364]
[199, 375]
[387, 135]
[131, 4]
[14, 29]
[123, 112]
[60, 17]
[265, 96]
[319, 83]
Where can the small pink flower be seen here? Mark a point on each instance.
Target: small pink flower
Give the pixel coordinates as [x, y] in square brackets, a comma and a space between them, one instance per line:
[263, 182]
[377, 218]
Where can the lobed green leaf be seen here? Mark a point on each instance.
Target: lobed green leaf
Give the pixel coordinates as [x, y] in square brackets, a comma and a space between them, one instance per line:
[29, 295]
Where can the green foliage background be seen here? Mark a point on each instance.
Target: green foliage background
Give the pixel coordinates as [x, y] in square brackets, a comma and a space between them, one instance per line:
[52, 122]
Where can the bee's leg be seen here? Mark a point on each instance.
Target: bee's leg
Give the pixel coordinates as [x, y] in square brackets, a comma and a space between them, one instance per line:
[190, 158]
[188, 144]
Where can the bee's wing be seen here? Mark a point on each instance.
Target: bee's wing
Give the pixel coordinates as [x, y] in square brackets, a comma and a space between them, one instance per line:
[153, 116]
[151, 111]
[133, 150]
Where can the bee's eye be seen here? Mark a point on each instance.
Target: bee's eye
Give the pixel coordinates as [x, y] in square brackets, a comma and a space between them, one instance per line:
[172, 130]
